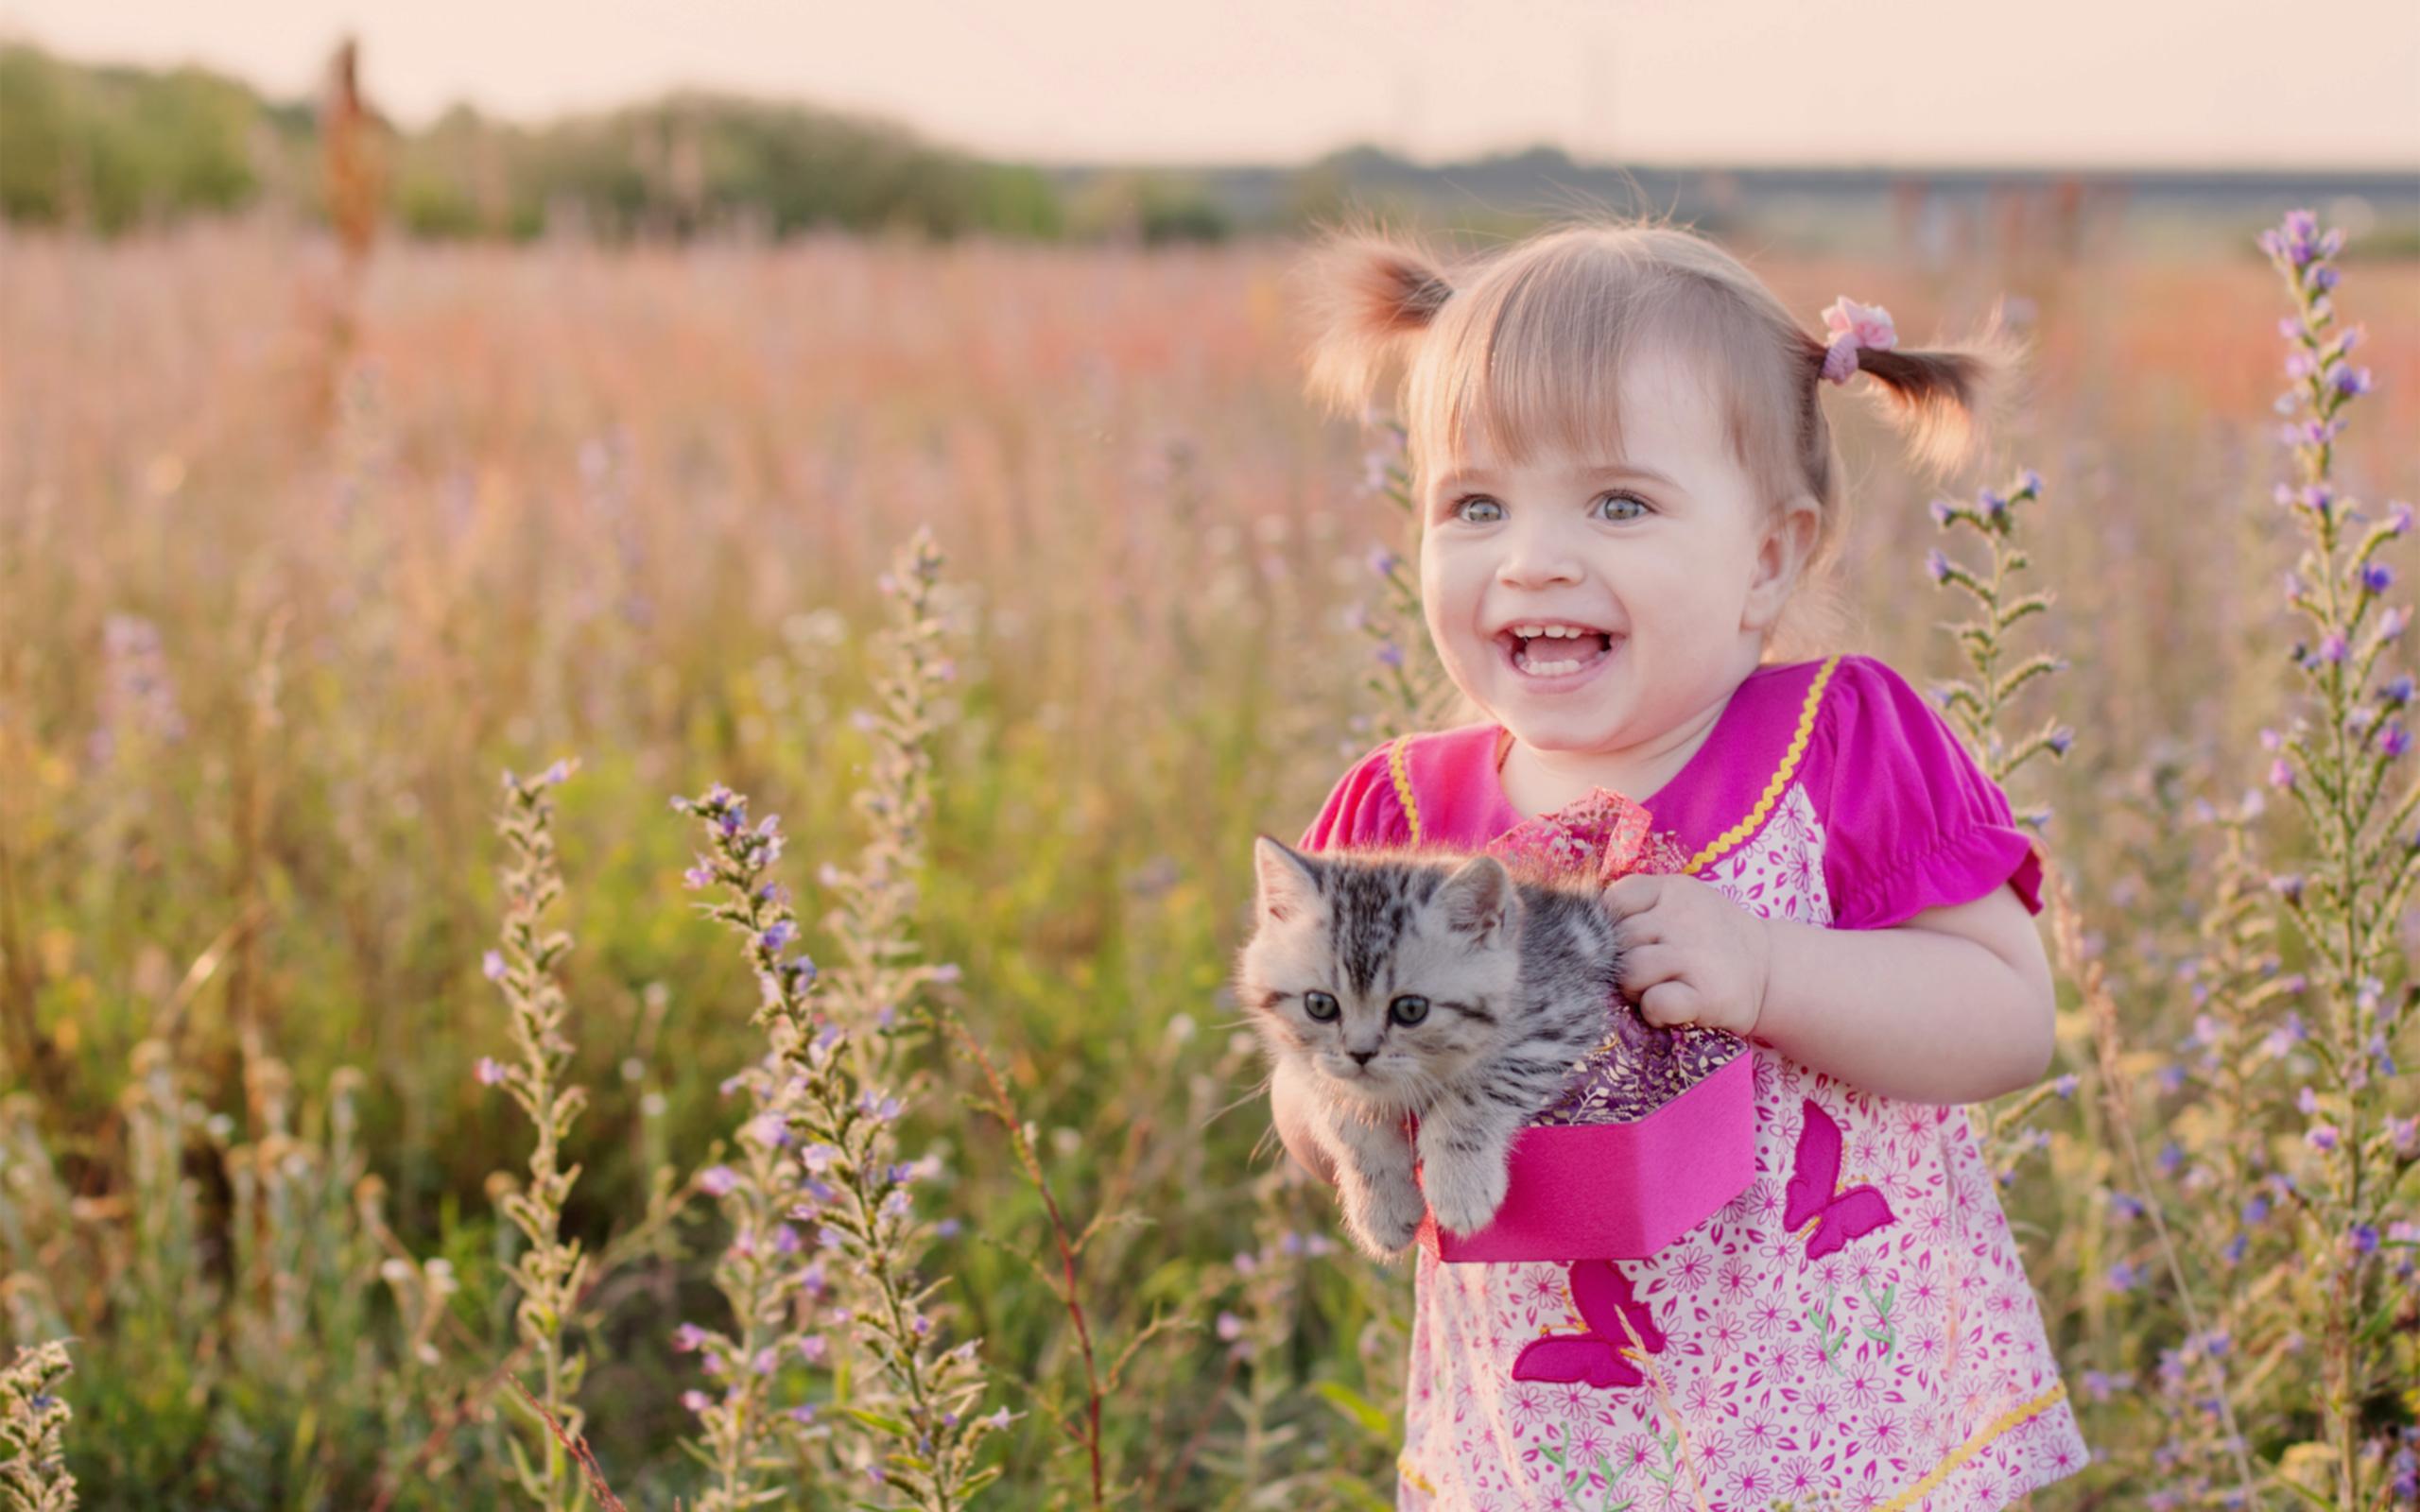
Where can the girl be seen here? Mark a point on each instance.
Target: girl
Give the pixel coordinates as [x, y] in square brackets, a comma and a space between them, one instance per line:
[1624, 471]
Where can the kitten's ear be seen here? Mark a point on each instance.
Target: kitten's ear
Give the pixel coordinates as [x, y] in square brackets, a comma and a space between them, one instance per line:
[1286, 887]
[1479, 899]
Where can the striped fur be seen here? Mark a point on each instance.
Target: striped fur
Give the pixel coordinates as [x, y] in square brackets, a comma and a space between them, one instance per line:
[1516, 972]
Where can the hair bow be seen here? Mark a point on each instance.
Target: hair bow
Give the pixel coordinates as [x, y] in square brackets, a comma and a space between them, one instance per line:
[1853, 326]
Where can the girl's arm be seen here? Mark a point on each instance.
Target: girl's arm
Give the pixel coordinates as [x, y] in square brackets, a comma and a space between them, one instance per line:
[1953, 1006]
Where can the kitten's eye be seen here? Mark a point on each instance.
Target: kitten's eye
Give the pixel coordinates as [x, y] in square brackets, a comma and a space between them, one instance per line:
[1408, 1010]
[1321, 1007]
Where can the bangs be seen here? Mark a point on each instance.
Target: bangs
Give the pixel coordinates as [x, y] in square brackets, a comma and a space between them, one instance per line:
[1530, 361]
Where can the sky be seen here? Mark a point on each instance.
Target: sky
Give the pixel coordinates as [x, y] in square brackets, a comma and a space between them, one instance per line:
[2189, 83]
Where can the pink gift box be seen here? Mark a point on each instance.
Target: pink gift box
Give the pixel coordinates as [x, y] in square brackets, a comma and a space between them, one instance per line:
[1620, 1190]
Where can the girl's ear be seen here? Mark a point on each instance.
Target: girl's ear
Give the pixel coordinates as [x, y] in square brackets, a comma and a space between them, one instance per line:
[1781, 556]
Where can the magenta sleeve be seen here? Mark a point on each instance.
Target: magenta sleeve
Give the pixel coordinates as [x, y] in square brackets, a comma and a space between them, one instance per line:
[1359, 808]
[1912, 823]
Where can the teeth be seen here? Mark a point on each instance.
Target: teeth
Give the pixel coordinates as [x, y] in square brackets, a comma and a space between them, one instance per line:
[1557, 631]
[1550, 669]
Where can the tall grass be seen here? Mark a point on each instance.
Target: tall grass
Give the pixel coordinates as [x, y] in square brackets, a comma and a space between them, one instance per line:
[255, 678]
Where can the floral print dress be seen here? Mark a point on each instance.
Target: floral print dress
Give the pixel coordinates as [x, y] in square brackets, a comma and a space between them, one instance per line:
[1854, 1330]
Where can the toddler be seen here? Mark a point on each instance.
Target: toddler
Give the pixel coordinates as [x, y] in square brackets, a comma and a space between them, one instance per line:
[1624, 472]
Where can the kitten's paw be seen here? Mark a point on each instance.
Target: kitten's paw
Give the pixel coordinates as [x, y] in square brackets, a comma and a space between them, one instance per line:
[1384, 1219]
[1465, 1194]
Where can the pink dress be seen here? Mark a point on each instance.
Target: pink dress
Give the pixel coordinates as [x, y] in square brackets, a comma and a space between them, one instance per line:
[1855, 1329]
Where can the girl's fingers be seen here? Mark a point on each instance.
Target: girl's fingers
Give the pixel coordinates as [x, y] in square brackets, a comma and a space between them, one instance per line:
[1647, 965]
[1670, 1003]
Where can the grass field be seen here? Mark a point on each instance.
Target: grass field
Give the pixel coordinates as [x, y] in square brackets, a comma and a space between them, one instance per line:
[289, 568]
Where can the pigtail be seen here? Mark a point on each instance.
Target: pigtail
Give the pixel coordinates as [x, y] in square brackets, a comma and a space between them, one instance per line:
[1943, 399]
[1369, 295]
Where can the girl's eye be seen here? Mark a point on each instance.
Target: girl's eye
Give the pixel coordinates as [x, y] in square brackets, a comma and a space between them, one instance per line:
[1321, 1007]
[1638, 509]
[1408, 1010]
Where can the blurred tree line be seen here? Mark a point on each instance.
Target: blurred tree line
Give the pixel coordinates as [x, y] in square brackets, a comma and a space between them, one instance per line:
[108, 148]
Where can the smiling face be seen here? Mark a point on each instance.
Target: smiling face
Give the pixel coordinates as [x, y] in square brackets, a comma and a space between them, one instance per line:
[1670, 549]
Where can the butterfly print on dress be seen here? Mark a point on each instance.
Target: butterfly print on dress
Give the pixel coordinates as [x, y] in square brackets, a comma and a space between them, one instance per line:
[1814, 1176]
[1595, 1358]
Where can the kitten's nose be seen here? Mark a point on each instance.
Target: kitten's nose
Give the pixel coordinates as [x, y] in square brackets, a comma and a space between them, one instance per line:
[1361, 1056]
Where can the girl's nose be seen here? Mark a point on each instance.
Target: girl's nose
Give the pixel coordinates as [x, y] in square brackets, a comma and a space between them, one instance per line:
[1536, 558]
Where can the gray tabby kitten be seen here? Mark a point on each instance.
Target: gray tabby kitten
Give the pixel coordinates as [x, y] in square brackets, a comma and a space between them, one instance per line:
[1393, 982]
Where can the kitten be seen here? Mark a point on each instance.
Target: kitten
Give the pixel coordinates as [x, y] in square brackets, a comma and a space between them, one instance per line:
[1393, 982]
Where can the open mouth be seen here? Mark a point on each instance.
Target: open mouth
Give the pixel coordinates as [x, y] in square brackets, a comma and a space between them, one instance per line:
[1557, 658]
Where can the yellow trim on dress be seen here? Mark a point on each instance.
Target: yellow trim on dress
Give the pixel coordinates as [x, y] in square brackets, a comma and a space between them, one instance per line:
[2016, 1418]
[1789, 760]
[1404, 1468]
[1403, 784]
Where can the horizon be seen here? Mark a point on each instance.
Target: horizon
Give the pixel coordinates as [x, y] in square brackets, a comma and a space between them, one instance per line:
[2361, 117]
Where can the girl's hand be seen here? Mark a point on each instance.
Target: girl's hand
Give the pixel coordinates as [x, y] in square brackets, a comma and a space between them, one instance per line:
[1690, 955]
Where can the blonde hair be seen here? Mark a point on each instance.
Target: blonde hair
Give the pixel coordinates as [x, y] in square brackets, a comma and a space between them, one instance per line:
[1527, 345]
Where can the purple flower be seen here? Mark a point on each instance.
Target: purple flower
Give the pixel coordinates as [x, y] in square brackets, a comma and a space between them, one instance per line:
[2060, 739]
[2364, 1238]
[2398, 518]
[490, 1072]
[2122, 1277]
[2307, 1101]
[1942, 510]
[695, 1400]
[688, 1337]
[2349, 380]
[2029, 482]
[1936, 566]
[2280, 773]
[718, 1180]
[2064, 1086]
[1230, 1325]
[2397, 693]
[700, 875]
[2255, 1210]
[2393, 740]
[779, 934]
[491, 966]
[2376, 577]
[1389, 653]
[1383, 563]
[2322, 1136]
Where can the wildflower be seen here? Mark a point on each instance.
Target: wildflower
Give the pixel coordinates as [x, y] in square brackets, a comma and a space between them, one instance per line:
[491, 966]
[947, 1227]
[2029, 483]
[2398, 518]
[2376, 577]
[2333, 648]
[2393, 740]
[688, 1339]
[2062, 739]
[2348, 381]
[2122, 1277]
[2364, 1237]
[2321, 1136]
[695, 1400]
[999, 1419]
[1943, 511]
[2281, 773]
[1230, 1325]
[1936, 565]
[718, 1181]
[2290, 886]
[2064, 1086]
[489, 1070]
[1389, 653]
[1383, 563]
[2306, 1100]
[2397, 693]
[778, 935]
